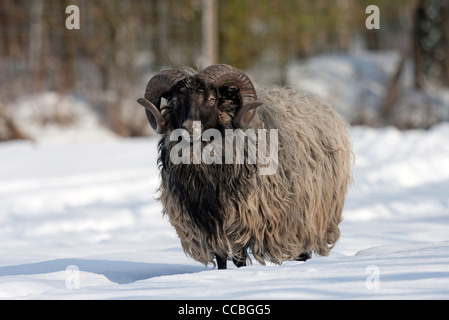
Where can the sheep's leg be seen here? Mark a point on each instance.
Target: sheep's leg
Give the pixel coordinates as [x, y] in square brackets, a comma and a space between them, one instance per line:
[221, 262]
[240, 261]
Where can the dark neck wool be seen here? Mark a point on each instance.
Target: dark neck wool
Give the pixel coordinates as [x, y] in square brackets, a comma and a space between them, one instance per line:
[205, 191]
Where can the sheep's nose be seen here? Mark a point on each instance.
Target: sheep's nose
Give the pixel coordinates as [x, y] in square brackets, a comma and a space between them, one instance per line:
[192, 126]
[188, 125]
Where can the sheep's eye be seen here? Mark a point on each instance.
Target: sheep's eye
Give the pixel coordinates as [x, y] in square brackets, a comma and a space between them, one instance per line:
[233, 89]
[211, 99]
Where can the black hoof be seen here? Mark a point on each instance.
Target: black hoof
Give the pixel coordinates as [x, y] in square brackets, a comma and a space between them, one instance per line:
[239, 263]
[221, 262]
[304, 256]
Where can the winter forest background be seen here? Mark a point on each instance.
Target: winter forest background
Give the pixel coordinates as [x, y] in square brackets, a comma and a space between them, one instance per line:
[395, 75]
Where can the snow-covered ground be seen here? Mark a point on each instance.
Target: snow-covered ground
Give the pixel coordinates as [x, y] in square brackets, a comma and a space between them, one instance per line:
[79, 220]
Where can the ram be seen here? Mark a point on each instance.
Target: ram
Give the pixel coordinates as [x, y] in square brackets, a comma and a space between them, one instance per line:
[229, 210]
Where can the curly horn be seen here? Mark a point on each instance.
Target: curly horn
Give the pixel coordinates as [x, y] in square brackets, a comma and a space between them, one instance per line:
[156, 87]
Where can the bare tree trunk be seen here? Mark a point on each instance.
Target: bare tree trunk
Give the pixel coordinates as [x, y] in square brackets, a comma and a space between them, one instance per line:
[36, 41]
[444, 43]
[372, 39]
[283, 68]
[210, 33]
[393, 93]
[343, 24]
[67, 56]
[162, 37]
[418, 17]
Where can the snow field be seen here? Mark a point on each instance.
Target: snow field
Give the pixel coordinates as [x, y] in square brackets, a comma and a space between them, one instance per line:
[91, 205]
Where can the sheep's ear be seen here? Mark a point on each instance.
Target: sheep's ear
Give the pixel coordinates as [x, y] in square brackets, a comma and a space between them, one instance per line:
[154, 116]
[246, 114]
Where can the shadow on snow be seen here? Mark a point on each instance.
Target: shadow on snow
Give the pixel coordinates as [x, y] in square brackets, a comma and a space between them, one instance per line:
[120, 272]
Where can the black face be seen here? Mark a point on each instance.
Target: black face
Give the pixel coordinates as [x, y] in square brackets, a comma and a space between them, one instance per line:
[192, 100]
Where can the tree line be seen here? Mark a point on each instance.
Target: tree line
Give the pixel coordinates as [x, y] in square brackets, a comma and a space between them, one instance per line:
[120, 42]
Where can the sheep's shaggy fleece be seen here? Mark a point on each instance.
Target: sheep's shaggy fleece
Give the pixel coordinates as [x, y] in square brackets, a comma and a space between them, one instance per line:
[277, 217]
